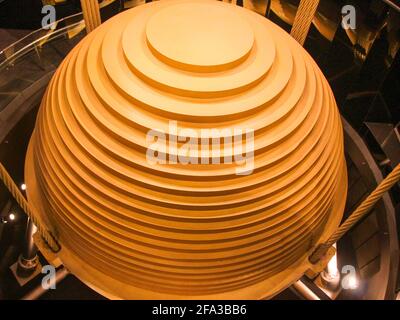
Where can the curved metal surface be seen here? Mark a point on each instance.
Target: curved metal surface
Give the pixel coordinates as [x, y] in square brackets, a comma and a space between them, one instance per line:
[188, 230]
[389, 246]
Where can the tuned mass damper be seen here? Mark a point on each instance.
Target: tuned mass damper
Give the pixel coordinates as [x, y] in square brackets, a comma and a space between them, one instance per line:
[132, 228]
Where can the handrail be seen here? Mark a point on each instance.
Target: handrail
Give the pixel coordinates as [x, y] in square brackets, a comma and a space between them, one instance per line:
[71, 22]
[32, 44]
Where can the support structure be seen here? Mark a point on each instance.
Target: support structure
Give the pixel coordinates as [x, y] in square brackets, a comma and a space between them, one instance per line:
[304, 291]
[28, 260]
[304, 17]
[362, 210]
[91, 14]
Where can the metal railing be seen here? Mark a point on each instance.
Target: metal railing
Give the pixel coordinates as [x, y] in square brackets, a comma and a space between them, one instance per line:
[69, 27]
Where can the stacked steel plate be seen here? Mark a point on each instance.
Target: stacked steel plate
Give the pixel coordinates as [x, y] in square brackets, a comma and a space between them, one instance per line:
[192, 225]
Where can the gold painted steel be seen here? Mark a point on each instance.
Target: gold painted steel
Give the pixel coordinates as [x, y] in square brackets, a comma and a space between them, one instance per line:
[133, 229]
[91, 14]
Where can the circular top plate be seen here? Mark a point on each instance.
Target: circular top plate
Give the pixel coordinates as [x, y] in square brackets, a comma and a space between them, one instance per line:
[199, 37]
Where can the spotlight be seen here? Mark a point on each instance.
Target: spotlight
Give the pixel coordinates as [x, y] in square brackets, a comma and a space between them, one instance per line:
[23, 186]
[352, 282]
[11, 216]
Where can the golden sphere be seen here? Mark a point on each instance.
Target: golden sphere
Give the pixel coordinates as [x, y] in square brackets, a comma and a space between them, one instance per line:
[131, 227]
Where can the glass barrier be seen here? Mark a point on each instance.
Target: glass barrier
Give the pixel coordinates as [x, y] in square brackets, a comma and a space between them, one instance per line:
[39, 53]
[67, 28]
